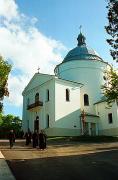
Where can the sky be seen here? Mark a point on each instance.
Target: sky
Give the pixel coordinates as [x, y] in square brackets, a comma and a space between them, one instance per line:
[39, 33]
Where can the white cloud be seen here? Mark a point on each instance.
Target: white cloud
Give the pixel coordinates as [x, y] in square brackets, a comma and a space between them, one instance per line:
[8, 9]
[16, 84]
[27, 48]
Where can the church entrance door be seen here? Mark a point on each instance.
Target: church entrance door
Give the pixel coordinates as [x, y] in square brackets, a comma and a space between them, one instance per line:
[36, 124]
[86, 129]
[93, 129]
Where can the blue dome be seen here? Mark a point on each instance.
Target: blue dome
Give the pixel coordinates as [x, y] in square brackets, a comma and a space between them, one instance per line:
[82, 52]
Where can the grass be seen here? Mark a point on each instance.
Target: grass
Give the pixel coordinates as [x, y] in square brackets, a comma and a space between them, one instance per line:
[58, 138]
[84, 138]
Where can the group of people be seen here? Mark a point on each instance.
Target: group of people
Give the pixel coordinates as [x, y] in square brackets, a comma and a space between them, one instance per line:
[37, 139]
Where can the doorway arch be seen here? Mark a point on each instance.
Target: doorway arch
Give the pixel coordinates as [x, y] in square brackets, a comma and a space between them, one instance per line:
[36, 124]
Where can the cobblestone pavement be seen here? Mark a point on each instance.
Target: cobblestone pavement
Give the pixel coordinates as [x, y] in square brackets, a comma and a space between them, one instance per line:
[63, 159]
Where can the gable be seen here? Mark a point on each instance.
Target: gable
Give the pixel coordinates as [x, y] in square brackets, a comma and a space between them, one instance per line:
[37, 80]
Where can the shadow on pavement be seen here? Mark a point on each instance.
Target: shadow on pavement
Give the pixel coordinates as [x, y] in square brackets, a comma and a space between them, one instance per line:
[95, 166]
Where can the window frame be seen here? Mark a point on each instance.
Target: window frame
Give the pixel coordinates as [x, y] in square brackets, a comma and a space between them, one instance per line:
[28, 101]
[47, 121]
[36, 97]
[110, 118]
[47, 95]
[67, 95]
[86, 100]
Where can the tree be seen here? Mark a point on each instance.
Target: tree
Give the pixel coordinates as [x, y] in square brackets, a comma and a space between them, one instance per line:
[110, 88]
[5, 68]
[9, 122]
[1, 119]
[112, 28]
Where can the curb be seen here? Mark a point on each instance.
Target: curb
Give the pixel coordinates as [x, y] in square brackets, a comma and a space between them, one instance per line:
[5, 172]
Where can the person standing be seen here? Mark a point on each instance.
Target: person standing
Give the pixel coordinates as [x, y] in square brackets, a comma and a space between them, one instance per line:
[42, 140]
[28, 137]
[34, 139]
[45, 139]
[11, 138]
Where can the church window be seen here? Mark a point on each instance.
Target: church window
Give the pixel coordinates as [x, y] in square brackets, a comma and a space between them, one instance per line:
[117, 103]
[36, 97]
[28, 102]
[67, 95]
[27, 124]
[47, 121]
[110, 119]
[47, 95]
[86, 100]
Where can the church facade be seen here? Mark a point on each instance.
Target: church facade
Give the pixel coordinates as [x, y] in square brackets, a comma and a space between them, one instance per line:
[71, 102]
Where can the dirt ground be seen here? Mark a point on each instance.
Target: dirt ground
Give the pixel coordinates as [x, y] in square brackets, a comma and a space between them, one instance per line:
[63, 159]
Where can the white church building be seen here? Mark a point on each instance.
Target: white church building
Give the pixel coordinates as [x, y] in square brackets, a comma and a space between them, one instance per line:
[71, 102]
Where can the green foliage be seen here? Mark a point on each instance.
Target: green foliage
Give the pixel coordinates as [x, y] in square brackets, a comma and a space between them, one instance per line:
[9, 122]
[1, 118]
[5, 68]
[112, 28]
[110, 88]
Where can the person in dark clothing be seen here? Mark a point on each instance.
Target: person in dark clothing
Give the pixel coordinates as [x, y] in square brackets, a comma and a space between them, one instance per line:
[21, 134]
[42, 140]
[45, 140]
[11, 138]
[28, 137]
[35, 139]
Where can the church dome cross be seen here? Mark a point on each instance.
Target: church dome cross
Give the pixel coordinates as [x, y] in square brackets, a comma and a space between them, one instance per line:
[81, 38]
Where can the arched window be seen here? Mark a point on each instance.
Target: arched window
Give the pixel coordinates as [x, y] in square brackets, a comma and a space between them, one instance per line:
[86, 100]
[27, 124]
[36, 97]
[110, 119]
[37, 117]
[28, 101]
[47, 121]
[47, 95]
[67, 95]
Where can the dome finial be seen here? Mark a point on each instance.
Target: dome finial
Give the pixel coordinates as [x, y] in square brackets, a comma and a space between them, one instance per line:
[80, 28]
[81, 39]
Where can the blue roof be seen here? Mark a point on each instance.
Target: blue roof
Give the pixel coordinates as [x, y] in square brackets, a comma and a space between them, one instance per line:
[82, 53]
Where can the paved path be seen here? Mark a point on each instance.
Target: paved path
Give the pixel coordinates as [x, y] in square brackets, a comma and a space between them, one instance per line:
[63, 160]
[5, 172]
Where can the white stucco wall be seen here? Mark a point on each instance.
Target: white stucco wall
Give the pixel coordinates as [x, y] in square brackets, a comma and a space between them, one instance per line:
[42, 111]
[102, 109]
[49, 106]
[62, 114]
[87, 72]
[67, 113]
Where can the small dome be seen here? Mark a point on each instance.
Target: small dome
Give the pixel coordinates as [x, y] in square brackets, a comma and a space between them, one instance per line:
[82, 52]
